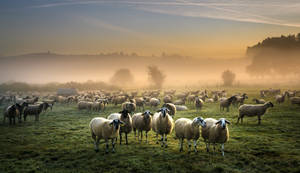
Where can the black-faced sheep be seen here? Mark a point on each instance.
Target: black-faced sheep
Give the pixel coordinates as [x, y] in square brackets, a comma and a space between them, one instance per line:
[216, 131]
[226, 102]
[102, 128]
[199, 103]
[33, 110]
[163, 124]
[142, 122]
[253, 110]
[126, 118]
[188, 129]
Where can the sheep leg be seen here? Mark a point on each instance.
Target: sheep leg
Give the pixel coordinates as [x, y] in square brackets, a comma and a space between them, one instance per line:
[97, 144]
[259, 119]
[195, 145]
[189, 144]
[113, 145]
[207, 146]
[222, 148]
[134, 130]
[162, 140]
[238, 120]
[156, 138]
[181, 144]
[126, 138]
[141, 135]
[166, 144]
[106, 150]
[120, 138]
[146, 137]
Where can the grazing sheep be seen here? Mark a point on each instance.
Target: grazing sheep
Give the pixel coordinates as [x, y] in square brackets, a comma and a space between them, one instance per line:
[168, 99]
[188, 129]
[142, 122]
[191, 98]
[129, 106]
[179, 102]
[126, 118]
[163, 124]
[253, 110]
[140, 103]
[154, 102]
[85, 105]
[280, 98]
[240, 100]
[199, 103]
[12, 112]
[259, 101]
[181, 108]
[209, 100]
[171, 107]
[102, 128]
[33, 110]
[97, 106]
[226, 102]
[295, 100]
[216, 131]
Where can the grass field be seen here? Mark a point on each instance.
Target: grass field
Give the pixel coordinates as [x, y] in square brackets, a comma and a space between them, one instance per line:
[61, 142]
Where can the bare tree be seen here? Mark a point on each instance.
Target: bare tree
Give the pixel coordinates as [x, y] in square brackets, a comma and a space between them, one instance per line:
[228, 77]
[156, 76]
[122, 77]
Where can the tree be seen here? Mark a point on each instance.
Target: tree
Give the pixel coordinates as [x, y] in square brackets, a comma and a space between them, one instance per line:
[228, 77]
[122, 77]
[156, 76]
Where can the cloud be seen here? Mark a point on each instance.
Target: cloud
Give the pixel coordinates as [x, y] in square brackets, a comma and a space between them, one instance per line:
[274, 12]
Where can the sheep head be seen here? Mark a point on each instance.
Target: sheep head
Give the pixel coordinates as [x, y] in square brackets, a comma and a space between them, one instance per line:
[124, 113]
[164, 111]
[116, 123]
[222, 122]
[199, 121]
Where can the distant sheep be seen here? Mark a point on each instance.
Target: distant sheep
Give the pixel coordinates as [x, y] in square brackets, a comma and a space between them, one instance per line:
[33, 110]
[171, 107]
[226, 102]
[181, 108]
[129, 106]
[253, 110]
[199, 103]
[154, 102]
[259, 101]
[188, 129]
[295, 100]
[216, 131]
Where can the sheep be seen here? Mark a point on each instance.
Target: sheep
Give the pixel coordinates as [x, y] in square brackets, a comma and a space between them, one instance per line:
[209, 100]
[215, 131]
[129, 106]
[154, 102]
[163, 124]
[191, 98]
[12, 112]
[259, 101]
[240, 100]
[32, 101]
[84, 105]
[188, 129]
[126, 118]
[179, 102]
[102, 128]
[168, 99]
[253, 110]
[97, 106]
[33, 110]
[181, 108]
[280, 98]
[140, 103]
[226, 102]
[295, 100]
[142, 122]
[171, 107]
[199, 103]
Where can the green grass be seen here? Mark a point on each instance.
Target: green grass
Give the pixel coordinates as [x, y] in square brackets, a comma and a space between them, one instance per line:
[61, 142]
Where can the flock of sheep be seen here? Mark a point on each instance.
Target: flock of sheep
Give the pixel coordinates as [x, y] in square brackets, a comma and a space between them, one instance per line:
[161, 122]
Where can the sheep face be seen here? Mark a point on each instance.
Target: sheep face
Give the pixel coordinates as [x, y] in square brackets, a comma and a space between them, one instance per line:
[124, 113]
[199, 121]
[116, 123]
[164, 111]
[222, 122]
[147, 114]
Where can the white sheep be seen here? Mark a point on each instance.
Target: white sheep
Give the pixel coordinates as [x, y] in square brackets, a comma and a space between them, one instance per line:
[102, 128]
[142, 122]
[154, 102]
[181, 108]
[163, 124]
[126, 118]
[215, 132]
[253, 110]
[188, 129]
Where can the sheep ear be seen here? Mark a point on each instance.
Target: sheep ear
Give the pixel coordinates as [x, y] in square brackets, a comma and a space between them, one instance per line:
[218, 122]
[111, 123]
[158, 110]
[227, 122]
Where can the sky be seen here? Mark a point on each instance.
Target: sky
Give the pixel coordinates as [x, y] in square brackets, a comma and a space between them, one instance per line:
[202, 28]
